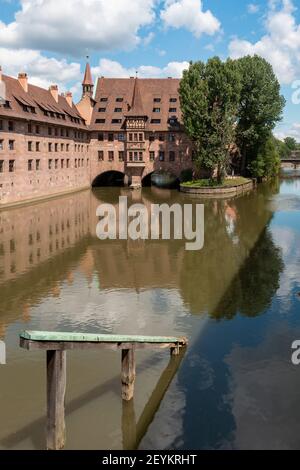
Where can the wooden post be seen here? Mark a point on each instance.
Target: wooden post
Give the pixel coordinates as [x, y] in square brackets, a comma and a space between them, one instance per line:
[56, 387]
[128, 373]
[175, 351]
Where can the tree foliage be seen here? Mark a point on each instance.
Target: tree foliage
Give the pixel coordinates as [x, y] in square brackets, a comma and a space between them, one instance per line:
[232, 102]
[209, 95]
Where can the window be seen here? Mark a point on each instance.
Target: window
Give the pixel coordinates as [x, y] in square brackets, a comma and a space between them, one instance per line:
[172, 138]
[67, 132]
[29, 128]
[161, 138]
[56, 148]
[1, 166]
[118, 110]
[100, 155]
[161, 156]
[173, 121]
[11, 144]
[157, 100]
[75, 162]
[1, 144]
[67, 147]
[56, 163]
[140, 156]
[49, 147]
[104, 100]
[135, 137]
[68, 163]
[116, 121]
[130, 137]
[155, 121]
[62, 132]
[141, 137]
[111, 156]
[151, 138]
[49, 130]
[156, 110]
[110, 137]
[30, 165]
[56, 131]
[121, 137]
[62, 147]
[50, 164]
[172, 156]
[101, 137]
[37, 146]
[37, 129]
[11, 166]
[152, 156]
[119, 100]
[102, 110]
[173, 100]
[1, 125]
[62, 164]
[100, 121]
[37, 165]
[121, 156]
[130, 156]
[10, 126]
[172, 110]
[29, 146]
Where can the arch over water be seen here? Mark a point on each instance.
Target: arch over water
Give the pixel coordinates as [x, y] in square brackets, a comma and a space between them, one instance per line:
[109, 178]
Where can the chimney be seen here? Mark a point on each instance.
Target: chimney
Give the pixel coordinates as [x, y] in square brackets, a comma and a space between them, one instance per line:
[54, 92]
[23, 80]
[69, 98]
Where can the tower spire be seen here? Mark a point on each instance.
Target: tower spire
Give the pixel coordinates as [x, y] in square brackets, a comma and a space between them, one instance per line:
[88, 84]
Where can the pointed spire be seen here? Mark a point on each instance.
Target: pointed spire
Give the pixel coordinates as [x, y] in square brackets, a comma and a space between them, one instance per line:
[137, 108]
[87, 84]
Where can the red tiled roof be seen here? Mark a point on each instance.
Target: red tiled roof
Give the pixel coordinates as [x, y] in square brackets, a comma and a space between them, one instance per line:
[148, 90]
[41, 99]
[136, 104]
[88, 80]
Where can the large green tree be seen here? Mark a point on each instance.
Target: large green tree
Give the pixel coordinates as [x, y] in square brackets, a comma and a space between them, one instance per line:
[209, 96]
[261, 106]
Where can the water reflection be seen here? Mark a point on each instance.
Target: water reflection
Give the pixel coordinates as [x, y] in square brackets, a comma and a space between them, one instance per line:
[56, 274]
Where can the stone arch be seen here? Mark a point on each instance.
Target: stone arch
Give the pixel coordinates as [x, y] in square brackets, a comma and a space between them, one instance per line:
[109, 178]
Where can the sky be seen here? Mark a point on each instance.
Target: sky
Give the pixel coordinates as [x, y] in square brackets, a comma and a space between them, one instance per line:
[50, 40]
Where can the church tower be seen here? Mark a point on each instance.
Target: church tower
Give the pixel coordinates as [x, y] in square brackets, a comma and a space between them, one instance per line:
[87, 84]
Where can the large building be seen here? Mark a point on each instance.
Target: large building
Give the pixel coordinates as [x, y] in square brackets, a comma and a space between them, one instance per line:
[48, 145]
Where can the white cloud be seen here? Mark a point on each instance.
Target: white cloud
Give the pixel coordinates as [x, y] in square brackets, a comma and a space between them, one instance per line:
[293, 131]
[109, 68]
[253, 8]
[281, 43]
[189, 14]
[75, 26]
[149, 38]
[42, 71]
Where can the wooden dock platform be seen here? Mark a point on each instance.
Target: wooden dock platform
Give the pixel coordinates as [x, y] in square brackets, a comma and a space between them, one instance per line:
[56, 345]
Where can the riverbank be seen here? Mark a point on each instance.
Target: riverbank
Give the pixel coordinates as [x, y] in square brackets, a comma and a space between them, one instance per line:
[210, 188]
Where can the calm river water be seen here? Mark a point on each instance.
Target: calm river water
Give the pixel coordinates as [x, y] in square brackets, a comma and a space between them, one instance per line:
[237, 300]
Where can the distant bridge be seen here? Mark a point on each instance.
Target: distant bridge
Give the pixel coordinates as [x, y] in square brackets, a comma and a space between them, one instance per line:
[293, 161]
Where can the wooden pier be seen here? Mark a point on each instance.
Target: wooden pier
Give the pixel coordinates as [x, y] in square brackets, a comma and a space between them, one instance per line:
[56, 344]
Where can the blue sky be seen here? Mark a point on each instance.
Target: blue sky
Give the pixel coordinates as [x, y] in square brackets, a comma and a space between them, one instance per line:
[50, 39]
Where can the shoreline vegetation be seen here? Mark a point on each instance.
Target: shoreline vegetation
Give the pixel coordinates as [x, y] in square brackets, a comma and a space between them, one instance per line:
[212, 183]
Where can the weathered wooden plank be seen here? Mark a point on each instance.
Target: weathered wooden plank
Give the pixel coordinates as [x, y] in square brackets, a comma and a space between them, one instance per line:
[128, 373]
[97, 338]
[56, 388]
[64, 346]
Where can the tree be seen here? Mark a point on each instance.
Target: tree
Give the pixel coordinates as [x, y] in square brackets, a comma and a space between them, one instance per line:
[209, 96]
[291, 143]
[261, 106]
[267, 162]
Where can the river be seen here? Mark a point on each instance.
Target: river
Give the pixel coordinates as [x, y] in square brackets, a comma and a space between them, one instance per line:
[237, 300]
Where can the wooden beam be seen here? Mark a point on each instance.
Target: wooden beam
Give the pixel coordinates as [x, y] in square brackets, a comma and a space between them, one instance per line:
[56, 388]
[128, 373]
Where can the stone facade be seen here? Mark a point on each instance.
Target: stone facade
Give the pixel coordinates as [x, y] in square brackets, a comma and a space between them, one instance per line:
[49, 145]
